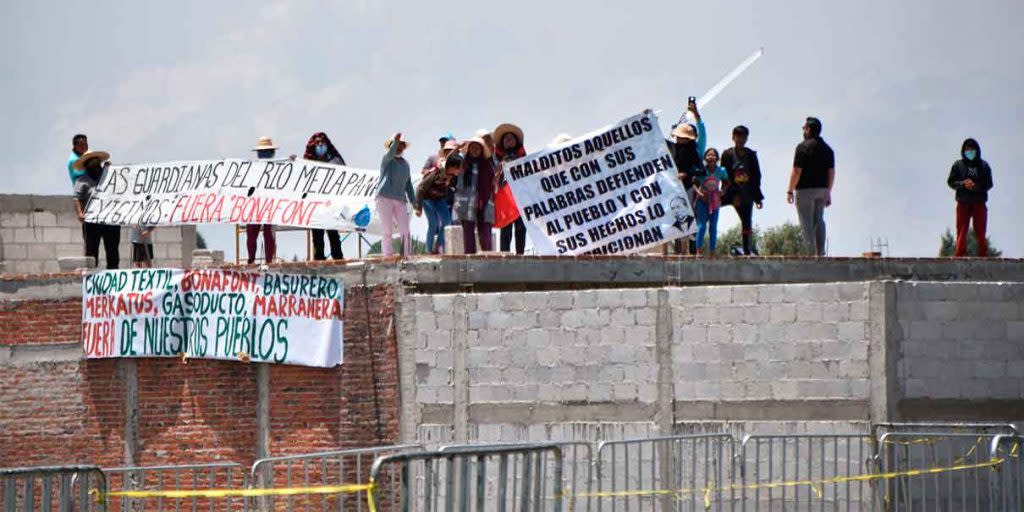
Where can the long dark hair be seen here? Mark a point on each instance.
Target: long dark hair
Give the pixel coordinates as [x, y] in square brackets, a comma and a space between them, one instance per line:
[332, 152]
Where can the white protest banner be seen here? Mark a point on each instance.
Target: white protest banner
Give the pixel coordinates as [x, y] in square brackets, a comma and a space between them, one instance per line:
[612, 191]
[213, 314]
[299, 193]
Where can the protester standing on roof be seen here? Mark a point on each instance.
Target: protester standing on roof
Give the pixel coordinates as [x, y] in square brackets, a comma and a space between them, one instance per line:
[433, 161]
[79, 145]
[92, 164]
[687, 148]
[265, 150]
[320, 149]
[971, 178]
[810, 185]
[395, 193]
[432, 192]
[509, 139]
[706, 185]
[474, 196]
[743, 191]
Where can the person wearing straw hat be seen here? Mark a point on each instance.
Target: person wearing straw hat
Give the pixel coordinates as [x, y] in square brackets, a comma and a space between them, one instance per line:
[394, 195]
[265, 150]
[92, 163]
[474, 196]
[509, 139]
[687, 147]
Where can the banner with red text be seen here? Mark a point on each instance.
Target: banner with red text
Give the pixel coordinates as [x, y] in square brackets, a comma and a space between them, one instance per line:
[265, 317]
[299, 193]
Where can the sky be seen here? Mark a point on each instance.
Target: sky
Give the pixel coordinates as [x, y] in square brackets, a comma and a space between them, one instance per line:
[898, 86]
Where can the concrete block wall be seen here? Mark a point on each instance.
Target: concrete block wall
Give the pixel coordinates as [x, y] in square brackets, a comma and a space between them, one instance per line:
[37, 230]
[519, 366]
[770, 343]
[961, 341]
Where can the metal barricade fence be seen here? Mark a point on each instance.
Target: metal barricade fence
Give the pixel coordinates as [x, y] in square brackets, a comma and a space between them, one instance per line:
[61, 488]
[577, 469]
[218, 475]
[690, 472]
[805, 472]
[936, 471]
[522, 478]
[319, 469]
[1006, 493]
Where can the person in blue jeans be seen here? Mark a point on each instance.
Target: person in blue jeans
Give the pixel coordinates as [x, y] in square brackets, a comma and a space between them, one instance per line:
[431, 195]
[708, 187]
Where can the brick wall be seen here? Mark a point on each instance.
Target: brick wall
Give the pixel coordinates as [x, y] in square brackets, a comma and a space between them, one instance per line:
[41, 321]
[961, 340]
[59, 408]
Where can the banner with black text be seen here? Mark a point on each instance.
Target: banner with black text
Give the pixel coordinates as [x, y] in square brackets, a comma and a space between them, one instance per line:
[612, 191]
[300, 193]
[265, 317]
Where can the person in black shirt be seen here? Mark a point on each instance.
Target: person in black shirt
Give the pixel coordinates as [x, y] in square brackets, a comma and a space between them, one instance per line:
[810, 186]
[971, 177]
[744, 189]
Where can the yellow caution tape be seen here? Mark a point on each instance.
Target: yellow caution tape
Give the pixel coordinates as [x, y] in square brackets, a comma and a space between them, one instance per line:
[815, 485]
[706, 492]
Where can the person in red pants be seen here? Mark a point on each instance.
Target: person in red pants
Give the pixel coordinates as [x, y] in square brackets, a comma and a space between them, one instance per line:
[971, 178]
[265, 150]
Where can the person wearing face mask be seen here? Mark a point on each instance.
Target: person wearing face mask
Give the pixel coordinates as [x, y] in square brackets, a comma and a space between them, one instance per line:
[265, 150]
[687, 147]
[474, 196]
[320, 149]
[971, 178]
[707, 187]
[394, 194]
[92, 163]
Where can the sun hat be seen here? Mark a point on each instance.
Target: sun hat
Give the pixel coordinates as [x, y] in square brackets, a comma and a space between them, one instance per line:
[391, 140]
[79, 164]
[684, 131]
[482, 132]
[479, 140]
[264, 143]
[502, 129]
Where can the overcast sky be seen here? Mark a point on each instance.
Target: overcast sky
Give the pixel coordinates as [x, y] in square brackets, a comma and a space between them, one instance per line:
[898, 86]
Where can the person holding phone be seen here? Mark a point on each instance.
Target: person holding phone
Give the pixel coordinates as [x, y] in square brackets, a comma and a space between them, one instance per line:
[687, 147]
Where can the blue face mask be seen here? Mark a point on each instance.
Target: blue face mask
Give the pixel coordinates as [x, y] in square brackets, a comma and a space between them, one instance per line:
[265, 153]
[970, 154]
[320, 149]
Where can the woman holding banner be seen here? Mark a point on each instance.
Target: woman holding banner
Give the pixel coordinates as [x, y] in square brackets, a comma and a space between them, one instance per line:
[687, 148]
[474, 196]
[509, 138]
[320, 149]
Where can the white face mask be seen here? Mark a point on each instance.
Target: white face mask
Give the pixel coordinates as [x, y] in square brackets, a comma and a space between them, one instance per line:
[320, 149]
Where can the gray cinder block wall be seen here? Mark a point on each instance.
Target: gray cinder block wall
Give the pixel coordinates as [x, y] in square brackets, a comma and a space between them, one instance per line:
[37, 230]
[613, 363]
